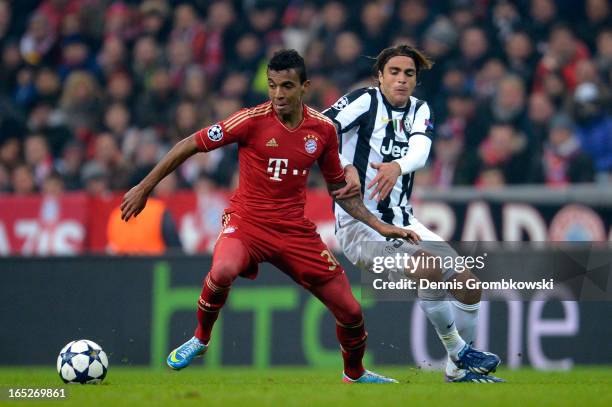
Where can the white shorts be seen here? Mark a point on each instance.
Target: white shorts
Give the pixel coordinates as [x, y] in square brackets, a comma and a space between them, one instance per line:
[361, 244]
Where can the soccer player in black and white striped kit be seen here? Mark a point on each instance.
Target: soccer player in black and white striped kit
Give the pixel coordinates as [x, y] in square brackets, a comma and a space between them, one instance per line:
[385, 136]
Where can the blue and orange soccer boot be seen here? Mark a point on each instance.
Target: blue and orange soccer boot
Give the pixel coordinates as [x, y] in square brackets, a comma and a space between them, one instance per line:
[368, 377]
[477, 361]
[469, 377]
[182, 356]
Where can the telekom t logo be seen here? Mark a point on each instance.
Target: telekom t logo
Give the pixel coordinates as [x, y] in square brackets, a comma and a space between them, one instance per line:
[275, 167]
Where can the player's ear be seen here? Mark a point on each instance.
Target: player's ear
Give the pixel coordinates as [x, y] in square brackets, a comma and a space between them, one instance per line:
[305, 86]
[380, 77]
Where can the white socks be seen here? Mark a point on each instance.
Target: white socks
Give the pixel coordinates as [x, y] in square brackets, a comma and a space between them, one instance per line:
[440, 315]
[466, 319]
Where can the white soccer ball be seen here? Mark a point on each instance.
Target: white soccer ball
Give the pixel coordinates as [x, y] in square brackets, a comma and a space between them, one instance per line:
[82, 361]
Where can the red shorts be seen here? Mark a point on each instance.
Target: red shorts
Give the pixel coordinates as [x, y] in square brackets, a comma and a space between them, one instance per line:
[293, 246]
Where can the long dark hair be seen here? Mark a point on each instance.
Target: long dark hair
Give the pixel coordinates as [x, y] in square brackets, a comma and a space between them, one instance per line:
[421, 61]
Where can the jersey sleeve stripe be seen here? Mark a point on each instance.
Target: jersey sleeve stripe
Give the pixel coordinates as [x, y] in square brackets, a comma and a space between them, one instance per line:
[327, 122]
[320, 116]
[238, 122]
[245, 118]
[313, 111]
[241, 114]
[235, 118]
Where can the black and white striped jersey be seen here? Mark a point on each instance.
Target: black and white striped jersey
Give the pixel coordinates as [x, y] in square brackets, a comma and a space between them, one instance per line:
[372, 130]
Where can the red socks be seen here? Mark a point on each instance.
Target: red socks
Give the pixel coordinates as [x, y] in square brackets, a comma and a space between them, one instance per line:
[352, 340]
[211, 300]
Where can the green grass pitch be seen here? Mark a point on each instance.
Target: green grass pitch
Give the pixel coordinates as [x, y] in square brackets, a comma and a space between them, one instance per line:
[246, 387]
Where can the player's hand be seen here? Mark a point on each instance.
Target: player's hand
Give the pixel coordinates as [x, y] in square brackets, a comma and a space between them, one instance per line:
[384, 180]
[133, 202]
[353, 184]
[395, 232]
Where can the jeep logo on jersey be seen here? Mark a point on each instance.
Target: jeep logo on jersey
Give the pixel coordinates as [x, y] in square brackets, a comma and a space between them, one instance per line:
[395, 149]
[275, 167]
[215, 133]
[341, 103]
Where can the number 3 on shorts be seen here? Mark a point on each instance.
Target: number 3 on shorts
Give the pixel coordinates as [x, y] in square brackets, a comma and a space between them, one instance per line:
[333, 263]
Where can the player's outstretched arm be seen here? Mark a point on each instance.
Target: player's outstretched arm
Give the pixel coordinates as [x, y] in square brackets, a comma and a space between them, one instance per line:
[135, 199]
[354, 206]
[353, 184]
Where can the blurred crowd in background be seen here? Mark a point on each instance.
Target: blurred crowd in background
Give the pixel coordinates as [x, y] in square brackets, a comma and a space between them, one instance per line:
[94, 92]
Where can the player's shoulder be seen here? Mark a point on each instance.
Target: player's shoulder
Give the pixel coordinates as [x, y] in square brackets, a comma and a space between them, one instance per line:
[320, 119]
[419, 103]
[359, 92]
[249, 113]
[260, 110]
[358, 95]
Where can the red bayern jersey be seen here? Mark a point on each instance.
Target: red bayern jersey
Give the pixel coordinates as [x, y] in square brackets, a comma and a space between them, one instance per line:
[274, 160]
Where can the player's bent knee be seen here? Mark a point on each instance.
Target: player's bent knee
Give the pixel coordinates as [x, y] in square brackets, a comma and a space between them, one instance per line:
[225, 272]
[467, 295]
[351, 313]
[427, 267]
[355, 311]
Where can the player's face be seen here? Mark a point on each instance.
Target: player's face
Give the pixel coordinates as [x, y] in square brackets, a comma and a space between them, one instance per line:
[398, 79]
[286, 91]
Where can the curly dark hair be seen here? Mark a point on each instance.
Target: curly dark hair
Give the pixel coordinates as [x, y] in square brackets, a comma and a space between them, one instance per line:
[288, 59]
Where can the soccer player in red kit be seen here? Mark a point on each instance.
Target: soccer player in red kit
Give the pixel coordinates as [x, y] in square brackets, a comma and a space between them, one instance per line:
[278, 141]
